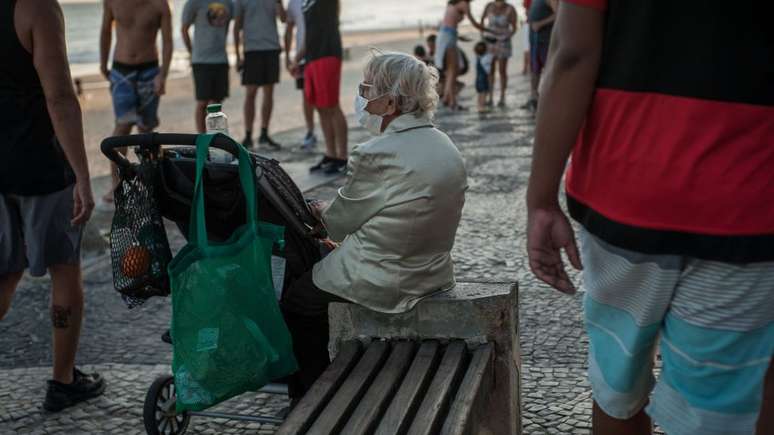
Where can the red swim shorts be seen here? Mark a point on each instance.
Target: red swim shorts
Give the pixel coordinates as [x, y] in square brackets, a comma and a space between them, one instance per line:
[322, 79]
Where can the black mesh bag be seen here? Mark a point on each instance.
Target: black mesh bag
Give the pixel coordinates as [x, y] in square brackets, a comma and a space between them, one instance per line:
[139, 249]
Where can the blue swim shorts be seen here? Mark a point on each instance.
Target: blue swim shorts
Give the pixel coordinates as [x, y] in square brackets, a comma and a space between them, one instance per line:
[712, 324]
[134, 98]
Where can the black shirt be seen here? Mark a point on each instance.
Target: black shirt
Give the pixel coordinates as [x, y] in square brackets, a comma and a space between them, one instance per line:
[323, 39]
[31, 159]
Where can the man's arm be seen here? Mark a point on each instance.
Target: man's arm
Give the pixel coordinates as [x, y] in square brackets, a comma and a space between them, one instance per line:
[282, 13]
[105, 37]
[290, 26]
[166, 47]
[238, 24]
[473, 21]
[537, 25]
[188, 18]
[565, 97]
[46, 23]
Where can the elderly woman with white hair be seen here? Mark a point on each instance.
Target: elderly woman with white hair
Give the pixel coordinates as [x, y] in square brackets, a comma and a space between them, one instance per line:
[396, 216]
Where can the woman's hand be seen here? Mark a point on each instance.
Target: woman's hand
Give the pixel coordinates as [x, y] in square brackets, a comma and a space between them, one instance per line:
[317, 207]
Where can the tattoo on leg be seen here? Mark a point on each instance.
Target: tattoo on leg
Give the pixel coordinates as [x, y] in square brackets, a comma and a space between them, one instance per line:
[60, 316]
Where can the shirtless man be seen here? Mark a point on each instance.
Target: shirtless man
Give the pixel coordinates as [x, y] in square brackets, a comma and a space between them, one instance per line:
[136, 80]
[446, 54]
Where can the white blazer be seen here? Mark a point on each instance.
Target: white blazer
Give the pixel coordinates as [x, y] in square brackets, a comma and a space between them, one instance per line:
[397, 215]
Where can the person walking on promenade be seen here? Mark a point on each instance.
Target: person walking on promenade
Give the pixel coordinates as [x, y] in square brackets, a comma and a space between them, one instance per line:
[446, 52]
[295, 22]
[671, 183]
[136, 80]
[209, 59]
[501, 17]
[541, 16]
[260, 66]
[525, 29]
[45, 190]
[322, 53]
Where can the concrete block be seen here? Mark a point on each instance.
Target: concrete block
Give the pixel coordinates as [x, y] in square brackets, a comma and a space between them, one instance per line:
[474, 312]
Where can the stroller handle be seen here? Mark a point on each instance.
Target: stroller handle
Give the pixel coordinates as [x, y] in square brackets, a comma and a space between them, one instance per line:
[109, 146]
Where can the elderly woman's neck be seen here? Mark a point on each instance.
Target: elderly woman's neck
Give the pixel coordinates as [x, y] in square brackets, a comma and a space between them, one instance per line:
[387, 119]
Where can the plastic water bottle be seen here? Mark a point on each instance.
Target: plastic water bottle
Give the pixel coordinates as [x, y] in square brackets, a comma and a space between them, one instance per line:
[217, 122]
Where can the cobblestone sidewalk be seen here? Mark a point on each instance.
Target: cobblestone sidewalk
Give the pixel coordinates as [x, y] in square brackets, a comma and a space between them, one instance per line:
[125, 347]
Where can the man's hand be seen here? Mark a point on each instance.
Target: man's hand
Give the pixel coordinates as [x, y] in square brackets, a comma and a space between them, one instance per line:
[83, 202]
[103, 69]
[549, 231]
[240, 65]
[535, 26]
[294, 68]
[160, 85]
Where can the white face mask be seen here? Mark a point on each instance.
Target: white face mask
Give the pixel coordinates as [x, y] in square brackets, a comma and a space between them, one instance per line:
[371, 122]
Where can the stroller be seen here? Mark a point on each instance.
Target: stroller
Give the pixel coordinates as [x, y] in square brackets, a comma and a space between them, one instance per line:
[168, 165]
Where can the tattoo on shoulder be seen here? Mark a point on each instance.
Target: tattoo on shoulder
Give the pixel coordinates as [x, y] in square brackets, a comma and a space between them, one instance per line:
[60, 316]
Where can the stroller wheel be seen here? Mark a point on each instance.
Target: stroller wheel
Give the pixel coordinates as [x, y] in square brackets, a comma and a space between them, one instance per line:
[159, 413]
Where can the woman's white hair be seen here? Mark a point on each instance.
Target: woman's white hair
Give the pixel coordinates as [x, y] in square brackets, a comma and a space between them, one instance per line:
[412, 83]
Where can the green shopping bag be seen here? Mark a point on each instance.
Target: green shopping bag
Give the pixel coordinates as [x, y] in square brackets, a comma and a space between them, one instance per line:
[229, 335]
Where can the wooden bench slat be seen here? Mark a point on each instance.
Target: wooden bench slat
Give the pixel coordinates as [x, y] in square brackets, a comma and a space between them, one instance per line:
[338, 410]
[409, 396]
[310, 406]
[378, 397]
[470, 401]
[442, 390]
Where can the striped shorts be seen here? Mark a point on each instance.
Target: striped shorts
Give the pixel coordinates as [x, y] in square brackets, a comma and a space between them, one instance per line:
[712, 323]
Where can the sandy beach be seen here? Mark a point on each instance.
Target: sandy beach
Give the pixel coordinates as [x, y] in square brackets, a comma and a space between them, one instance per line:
[177, 106]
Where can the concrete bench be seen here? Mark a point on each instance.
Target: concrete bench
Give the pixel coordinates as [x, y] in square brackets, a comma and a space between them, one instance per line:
[449, 366]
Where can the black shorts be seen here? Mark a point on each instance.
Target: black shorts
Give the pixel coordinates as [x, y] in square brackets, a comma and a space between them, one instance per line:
[300, 79]
[211, 81]
[261, 67]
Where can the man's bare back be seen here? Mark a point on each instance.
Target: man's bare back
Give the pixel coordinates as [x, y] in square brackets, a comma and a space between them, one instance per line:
[137, 24]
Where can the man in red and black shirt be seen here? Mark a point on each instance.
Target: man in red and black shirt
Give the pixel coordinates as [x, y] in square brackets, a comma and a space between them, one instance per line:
[668, 111]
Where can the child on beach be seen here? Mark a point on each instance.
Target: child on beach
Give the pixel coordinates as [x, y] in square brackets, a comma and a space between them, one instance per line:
[483, 70]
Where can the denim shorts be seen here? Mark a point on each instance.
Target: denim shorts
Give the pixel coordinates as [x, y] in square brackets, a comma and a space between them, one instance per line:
[134, 98]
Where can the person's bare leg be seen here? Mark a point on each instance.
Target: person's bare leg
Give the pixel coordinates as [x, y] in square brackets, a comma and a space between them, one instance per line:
[267, 105]
[449, 96]
[8, 283]
[340, 133]
[326, 124]
[492, 79]
[603, 424]
[534, 83]
[119, 130]
[249, 107]
[66, 318]
[308, 114]
[766, 417]
[503, 68]
[525, 68]
[199, 115]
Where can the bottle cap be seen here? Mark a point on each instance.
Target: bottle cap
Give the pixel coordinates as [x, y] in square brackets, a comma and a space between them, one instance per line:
[212, 108]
